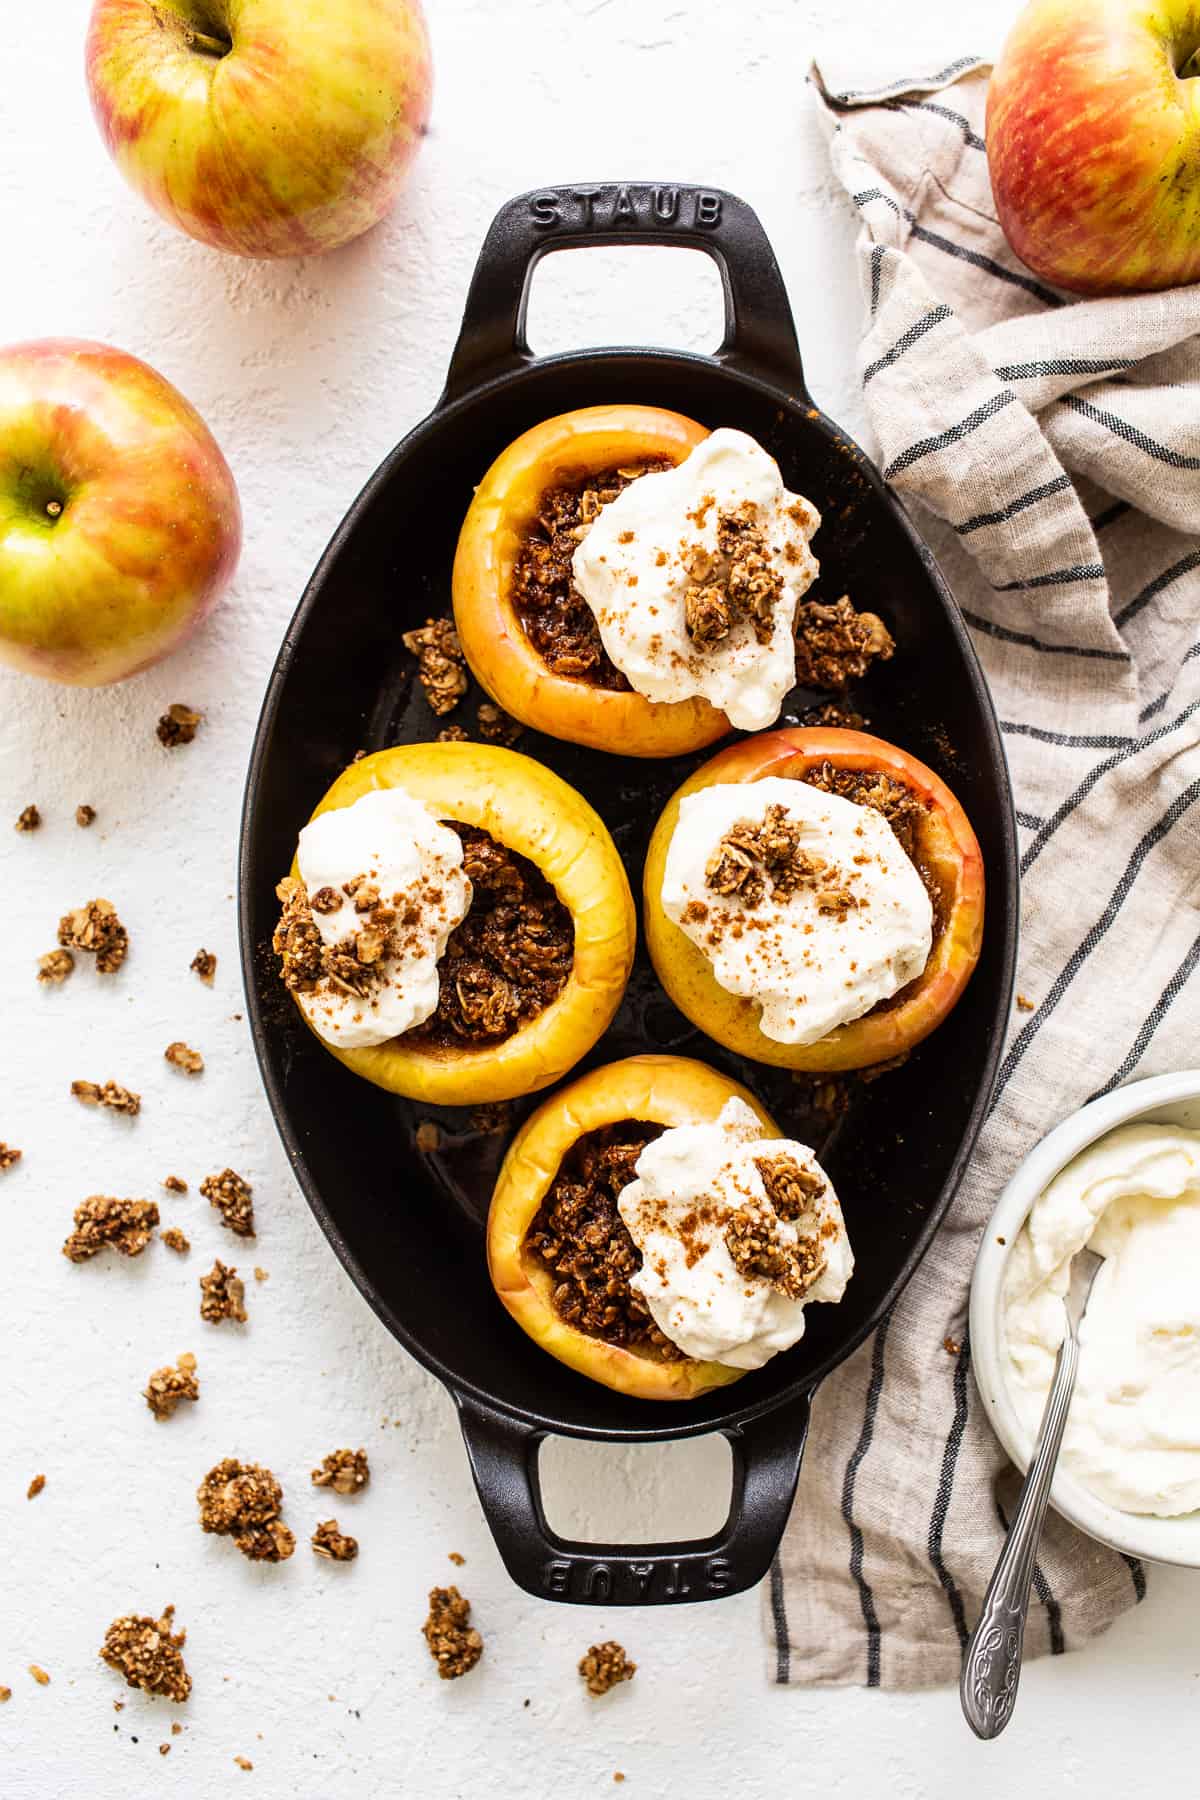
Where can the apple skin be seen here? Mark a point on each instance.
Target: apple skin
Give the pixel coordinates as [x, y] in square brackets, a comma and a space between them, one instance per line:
[1093, 143]
[294, 141]
[148, 527]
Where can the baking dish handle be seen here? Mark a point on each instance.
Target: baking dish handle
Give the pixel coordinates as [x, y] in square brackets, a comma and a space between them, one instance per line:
[759, 331]
[766, 1463]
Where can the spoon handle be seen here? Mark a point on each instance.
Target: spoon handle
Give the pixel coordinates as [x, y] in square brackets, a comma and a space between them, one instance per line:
[992, 1664]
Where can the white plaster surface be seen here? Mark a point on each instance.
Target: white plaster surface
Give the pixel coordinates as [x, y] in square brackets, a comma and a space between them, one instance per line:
[309, 373]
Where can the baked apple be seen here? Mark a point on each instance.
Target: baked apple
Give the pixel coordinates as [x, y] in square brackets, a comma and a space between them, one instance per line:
[735, 911]
[530, 640]
[615, 1110]
[536, 927]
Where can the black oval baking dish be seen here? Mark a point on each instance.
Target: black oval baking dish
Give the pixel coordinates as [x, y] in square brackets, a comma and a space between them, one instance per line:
[409, 1225]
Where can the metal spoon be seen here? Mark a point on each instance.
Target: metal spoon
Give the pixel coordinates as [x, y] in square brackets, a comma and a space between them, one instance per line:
[992, 1664]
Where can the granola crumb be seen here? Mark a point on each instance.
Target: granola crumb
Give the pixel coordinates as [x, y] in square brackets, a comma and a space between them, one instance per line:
[148, 1654]
[260, 1274]
[491, 1117]
[243, 1762]
[836, 645]
[168, 1386]
[457, 1559]
[108, 1093]
[96, 929]
[1024, 1003]
[429, 1136]
[244, 1501]
[35, 1487]
[440, 663]
[232, 1198]
[332, 1544]
[9, 1156]
[176, 1728]
[39, 1675]
[164, 1749]
[617, 1775]
[222, 1295]
[345, 1471]
[453, 734]
[175, 1184]
[125, 1226]
[604, 1666]
[84, 816]
[454, 1645]
[174, 1239]
[951, 1346]
[55, 966]
[5, 1695]
[1001, 1240]
[178, 725]
[29, 820]
[204, 964]
[182, 1056]
[497, 726]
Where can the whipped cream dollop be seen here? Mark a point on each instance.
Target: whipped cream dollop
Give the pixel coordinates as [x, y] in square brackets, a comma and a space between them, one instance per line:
[854, 928]
[390, 841]
[711, 1207]
[1133, 1432]
[664, 554]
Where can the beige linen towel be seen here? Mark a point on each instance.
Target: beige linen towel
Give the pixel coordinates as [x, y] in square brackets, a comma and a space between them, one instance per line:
[1054, 448]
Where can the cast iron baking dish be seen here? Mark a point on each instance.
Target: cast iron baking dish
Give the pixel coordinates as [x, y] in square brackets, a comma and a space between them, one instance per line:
[409, 1226]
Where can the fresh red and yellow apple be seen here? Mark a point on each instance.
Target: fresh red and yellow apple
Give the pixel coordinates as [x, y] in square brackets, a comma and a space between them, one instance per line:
[262, 127]
[119, 517]
[1093, 140]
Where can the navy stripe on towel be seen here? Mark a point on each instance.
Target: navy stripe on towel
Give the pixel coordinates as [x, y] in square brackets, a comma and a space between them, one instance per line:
[865, 1596]
[945, 1492]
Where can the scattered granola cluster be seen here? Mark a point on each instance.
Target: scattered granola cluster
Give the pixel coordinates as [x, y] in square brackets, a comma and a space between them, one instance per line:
[497, 726]
[332, 1544]
[55, 966]
[29, 820]
[122, 1225]
[440, 663]
[168, 1386]
[739, 583]
[753, 860]
[174, 1239]
[178, 725]
[605, 1666]
[110, 1094]
[232, 1198]
[148, 1654]
[182, 1056]
[345, 1471]
[836, 645]
[244, 1501]
[204, 964]
[454, 1645]
[9, 1155]
[175, 1184]
[222, 1295]
[96, 929]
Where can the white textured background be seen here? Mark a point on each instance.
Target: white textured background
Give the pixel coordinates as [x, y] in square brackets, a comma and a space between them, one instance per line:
[308, 373]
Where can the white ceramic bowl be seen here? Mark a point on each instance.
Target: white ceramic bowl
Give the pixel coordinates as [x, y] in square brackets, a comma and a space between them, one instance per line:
[1162, 1100]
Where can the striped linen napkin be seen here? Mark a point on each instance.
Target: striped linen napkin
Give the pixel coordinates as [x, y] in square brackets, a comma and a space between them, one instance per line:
[1054, 447]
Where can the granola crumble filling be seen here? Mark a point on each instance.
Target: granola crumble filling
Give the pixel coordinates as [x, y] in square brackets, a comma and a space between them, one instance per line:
[741, 583]
[148, 1654]
[168, 1386]
[345, 1471]
[441, 666]
[753, 860]
[556, 618]
[96, 929]
[244, 1501]
[101, 1222]
[605, 1666]
[903, 809]
[454, 1644]
[509, 958]
[580, 1238]
[836, 645]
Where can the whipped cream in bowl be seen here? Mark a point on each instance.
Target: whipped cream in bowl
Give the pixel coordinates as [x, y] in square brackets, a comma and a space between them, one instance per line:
[800, 900]
[738, 1234]
[694, 574]
[1123, 1176]
[382, 875]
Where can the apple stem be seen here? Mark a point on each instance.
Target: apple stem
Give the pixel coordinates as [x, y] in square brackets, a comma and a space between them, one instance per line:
[1191, 68]
[54, 508]
[214, 46]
